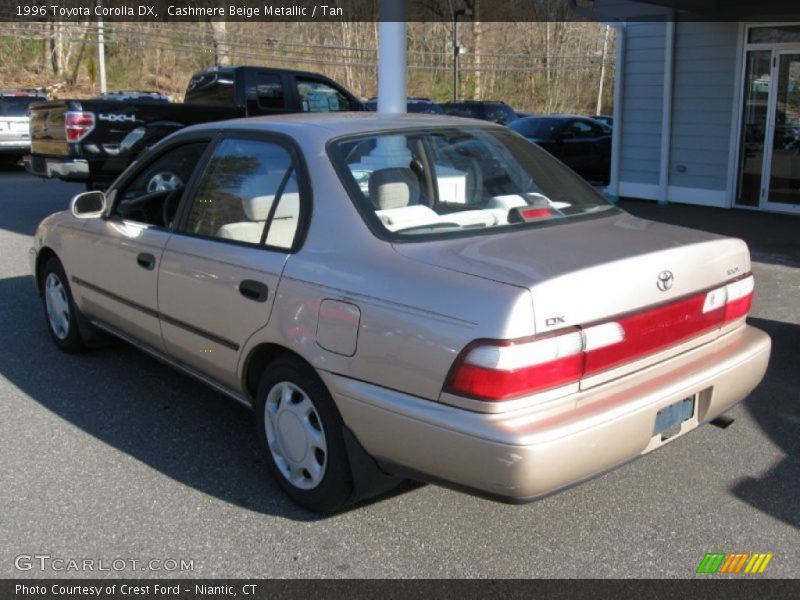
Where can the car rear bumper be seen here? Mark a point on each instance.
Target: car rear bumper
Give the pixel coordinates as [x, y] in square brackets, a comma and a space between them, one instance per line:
[69, 169]
[525, 454]
[15, 146]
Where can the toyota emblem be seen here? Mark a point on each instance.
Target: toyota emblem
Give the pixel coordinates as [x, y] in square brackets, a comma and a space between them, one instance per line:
[665, 279]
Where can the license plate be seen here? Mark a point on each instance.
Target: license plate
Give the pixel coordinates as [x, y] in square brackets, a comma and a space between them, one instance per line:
[669, 418]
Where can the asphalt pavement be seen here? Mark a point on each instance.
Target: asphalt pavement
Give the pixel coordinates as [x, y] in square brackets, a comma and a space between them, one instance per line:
[112, 456]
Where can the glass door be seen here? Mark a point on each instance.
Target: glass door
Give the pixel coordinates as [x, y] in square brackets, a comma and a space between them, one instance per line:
[782, 189]
[754, 126]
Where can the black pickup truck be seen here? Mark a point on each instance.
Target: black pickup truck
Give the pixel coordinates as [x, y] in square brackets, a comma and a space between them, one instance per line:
[94, 140]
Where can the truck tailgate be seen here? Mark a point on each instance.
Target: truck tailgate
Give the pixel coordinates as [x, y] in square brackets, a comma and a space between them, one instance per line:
[48, 134]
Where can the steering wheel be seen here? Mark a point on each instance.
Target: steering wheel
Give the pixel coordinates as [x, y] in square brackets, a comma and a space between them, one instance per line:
[129, 207]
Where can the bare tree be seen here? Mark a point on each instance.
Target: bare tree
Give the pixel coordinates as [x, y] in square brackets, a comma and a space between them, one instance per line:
[219, 36]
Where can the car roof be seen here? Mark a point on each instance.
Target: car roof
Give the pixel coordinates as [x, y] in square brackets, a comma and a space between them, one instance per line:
[569, 116]
[345, 123]
[229, 69]
[478, 102]
[22, 94]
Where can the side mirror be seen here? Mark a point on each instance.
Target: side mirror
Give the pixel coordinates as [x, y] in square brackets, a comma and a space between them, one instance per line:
[88, 205]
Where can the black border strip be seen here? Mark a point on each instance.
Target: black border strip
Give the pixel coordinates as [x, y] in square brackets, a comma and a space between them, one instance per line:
[153, 313]
[738, 588]
[201, 332]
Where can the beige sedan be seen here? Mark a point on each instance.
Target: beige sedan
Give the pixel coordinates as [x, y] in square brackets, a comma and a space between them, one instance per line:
[410, 296]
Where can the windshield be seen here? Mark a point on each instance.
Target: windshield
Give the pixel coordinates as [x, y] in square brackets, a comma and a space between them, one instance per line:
[17, 106]
[458, 181]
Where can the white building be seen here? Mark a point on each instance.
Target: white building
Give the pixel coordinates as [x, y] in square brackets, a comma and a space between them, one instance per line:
[707, 102]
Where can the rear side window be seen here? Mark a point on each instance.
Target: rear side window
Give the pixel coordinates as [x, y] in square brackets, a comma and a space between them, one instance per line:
[540, 127]
[316, 97]
[580, 129]
[499, 113]
[249, 194]
[269, 91]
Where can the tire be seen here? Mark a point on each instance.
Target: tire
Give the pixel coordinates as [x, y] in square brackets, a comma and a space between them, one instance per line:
[301, 433]
[62, 316]
[162, 181]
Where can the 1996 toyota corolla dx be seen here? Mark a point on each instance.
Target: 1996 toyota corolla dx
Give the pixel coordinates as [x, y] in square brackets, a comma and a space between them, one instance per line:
[408, 296]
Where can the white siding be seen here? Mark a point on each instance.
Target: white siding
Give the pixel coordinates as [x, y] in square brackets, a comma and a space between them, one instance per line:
[704, 91]
[642, 99]
[703, 101]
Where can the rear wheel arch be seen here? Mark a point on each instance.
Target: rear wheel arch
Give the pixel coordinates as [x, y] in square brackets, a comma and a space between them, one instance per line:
[367, 478]
[259, 359]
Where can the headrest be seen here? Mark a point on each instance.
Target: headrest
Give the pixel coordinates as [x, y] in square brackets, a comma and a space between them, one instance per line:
[258, 193]
[393, 188]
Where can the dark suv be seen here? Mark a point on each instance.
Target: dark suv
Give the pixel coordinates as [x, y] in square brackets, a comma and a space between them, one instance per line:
[486, 110]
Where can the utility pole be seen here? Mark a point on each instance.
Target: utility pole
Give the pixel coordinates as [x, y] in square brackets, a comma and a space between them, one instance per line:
[101, 52]
[459, 12]
[599, 110]
[392, 51]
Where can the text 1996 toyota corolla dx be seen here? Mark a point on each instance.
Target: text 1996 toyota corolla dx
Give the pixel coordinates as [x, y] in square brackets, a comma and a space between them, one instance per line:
[409, 296]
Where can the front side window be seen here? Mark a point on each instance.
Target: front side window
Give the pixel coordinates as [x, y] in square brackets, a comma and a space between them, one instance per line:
[248, 194]
[153, 195]
[458, 181]
[317, 96]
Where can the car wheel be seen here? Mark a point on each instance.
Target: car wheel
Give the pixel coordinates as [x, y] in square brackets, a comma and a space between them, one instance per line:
[163, 181]
[59, 307]
[301, 433]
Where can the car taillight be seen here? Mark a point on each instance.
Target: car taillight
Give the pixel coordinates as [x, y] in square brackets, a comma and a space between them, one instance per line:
[78, 124]
[494, 370]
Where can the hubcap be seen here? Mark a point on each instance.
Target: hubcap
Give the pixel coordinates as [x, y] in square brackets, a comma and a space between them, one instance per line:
[57, 305]
[295, 435]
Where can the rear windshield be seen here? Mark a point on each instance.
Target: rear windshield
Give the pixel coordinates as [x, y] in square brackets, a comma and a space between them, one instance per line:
[211, 88]
[458, 181]
[17, 106]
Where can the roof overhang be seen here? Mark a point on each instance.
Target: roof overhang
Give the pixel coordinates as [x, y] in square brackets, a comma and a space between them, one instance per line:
[699, 10]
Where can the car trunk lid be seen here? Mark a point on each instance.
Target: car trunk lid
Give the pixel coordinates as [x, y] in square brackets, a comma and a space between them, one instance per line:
[604, 269]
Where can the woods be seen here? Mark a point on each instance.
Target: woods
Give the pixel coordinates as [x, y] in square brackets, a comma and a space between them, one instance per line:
[544, 66]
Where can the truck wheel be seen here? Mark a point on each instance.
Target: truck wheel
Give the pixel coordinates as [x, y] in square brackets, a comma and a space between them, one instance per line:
[163, 181]
[59, 307]
[301, 432]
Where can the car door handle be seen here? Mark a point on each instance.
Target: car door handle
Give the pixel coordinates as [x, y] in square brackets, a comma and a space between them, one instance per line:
[146, 261]
[253, 290]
